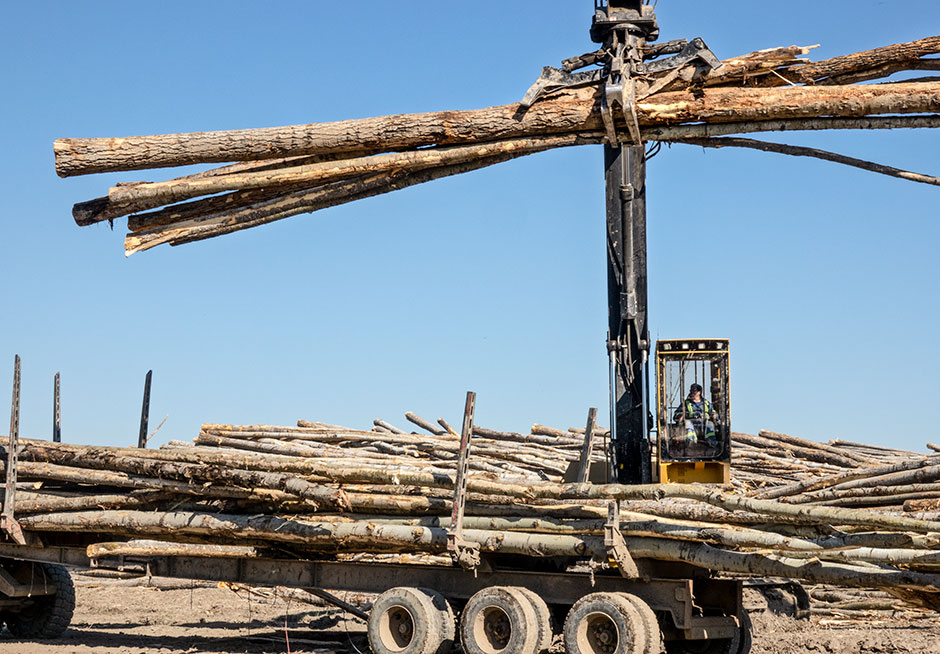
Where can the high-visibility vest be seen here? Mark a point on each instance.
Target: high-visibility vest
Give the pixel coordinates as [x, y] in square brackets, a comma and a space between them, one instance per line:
[690, 410]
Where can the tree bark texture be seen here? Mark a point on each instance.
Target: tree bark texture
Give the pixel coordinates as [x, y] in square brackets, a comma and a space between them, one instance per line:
[574, 111]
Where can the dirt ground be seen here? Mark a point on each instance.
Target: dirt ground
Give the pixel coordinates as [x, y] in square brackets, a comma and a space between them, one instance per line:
[133, 620]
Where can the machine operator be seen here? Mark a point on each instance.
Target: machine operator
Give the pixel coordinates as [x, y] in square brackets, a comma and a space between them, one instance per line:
[698, 415]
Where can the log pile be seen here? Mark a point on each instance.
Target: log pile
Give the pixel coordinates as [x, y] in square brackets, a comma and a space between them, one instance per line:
[324, 490]
[840, 606]
[284, 171]
[542, 455]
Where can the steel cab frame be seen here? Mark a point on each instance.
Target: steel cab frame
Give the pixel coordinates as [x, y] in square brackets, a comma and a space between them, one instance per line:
[707, 458]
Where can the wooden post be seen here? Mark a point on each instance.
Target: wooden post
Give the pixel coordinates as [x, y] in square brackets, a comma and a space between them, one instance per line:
[584, 464]
[7, 520]
[56, 413]
[145, 412]
[460, 485]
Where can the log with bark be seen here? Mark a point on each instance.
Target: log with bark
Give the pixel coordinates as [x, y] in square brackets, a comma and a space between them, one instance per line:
[319, 489]
[285, 171]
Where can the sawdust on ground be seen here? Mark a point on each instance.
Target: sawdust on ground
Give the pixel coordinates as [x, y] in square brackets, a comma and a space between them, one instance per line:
[135, 620]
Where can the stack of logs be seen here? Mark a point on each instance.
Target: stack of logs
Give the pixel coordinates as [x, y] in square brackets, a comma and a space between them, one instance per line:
[285, 171]
[319, 489]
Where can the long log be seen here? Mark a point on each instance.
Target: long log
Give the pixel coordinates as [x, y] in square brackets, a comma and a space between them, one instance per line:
[335, 537]
[828, 482]
[878, 491]
[51, 504]
[838, 442]
[809, 453]
[815, 153]
[845, 68]
[274, 464]
[163, 548]
[201, 227]
[320, 536]
[100, 209]
[108, 478]
[918, 475]
[575, 111]
[104, 459]
[176, 190]
[896, 501]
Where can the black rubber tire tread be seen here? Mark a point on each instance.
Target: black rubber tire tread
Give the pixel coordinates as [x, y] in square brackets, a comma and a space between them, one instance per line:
[49, 615]
[624, 615]
[654, 635]
[448, 621]
[428, 636]
[524, 638]
[544, 617]
[745, 640]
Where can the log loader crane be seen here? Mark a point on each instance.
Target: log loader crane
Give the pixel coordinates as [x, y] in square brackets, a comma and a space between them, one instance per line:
[611, 605]
[625, 30]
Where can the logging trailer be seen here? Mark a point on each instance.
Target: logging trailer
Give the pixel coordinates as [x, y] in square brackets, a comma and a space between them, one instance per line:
[505, 603]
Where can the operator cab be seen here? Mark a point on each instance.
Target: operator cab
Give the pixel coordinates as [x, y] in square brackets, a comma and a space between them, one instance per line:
[694, 438]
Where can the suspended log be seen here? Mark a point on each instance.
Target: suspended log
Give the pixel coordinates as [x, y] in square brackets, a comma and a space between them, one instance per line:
[100, 209]
[859, 66]
[564, 113]
[327, 172]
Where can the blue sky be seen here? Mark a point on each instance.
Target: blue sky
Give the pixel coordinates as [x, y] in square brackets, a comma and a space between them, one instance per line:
[823, 277]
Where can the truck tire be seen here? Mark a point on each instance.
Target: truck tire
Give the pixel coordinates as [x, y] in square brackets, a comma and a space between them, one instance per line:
[499, 619]
[654, 635]
[604, 623]
[744, 635]
[49, 615]
[407, 620]
[544, 618]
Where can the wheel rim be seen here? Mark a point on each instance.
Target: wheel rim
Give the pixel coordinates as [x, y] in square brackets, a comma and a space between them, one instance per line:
[598, 634]
[492, 630]
[396, 628]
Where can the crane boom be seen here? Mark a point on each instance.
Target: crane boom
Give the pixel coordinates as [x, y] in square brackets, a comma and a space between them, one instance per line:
[624, 27]
[628, 341]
